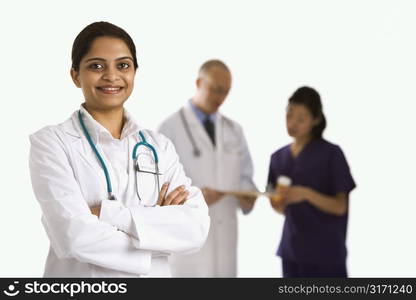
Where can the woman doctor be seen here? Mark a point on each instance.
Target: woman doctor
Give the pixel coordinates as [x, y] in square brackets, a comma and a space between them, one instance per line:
[98, 176]
[316, 205]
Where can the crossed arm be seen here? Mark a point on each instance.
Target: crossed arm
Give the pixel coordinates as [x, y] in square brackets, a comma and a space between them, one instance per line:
[176, 197]
[74, 232]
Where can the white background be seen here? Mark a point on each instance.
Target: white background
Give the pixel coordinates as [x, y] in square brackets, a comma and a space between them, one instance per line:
[360, 55]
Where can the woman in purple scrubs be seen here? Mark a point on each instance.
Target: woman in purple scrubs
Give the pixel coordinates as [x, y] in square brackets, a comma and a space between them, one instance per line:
[316, 204]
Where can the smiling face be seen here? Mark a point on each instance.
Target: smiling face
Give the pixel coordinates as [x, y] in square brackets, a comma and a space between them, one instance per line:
[299, 121]
[106, 74]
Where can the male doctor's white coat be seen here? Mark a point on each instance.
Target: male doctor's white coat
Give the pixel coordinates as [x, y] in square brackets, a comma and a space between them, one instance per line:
[227, 166]
[130, 238]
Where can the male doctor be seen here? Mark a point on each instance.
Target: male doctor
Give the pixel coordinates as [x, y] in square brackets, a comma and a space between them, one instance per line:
[215, 155]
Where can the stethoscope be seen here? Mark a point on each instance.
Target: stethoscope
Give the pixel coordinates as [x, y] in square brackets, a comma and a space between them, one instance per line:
[135, 156]
[196, 151]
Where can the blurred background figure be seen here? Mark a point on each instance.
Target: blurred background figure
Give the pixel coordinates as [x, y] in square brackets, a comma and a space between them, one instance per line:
[215, 155]
[316, 204]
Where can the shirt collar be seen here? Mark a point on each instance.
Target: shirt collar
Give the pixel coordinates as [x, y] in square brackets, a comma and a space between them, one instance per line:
[96, 130]
[201, 115]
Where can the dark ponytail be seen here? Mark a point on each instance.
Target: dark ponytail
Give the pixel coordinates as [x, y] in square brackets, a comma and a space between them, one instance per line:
[310, 98]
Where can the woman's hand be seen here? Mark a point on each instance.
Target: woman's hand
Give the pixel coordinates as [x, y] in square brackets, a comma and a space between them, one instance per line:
[95, 210]
[296, 194]
[288, 195]
[176, 197]
[278, 203]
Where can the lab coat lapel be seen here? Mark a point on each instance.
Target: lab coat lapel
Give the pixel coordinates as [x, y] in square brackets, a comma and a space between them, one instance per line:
[85, 152]
[197, 129]
[219, 132]
[219, 135]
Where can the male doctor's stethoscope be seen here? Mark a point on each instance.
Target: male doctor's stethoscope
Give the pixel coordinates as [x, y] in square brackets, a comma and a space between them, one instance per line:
[135, 156]
[196, 151]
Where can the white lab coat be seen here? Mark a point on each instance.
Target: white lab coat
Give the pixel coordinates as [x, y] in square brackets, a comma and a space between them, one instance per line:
[227, 166]
[130, 239]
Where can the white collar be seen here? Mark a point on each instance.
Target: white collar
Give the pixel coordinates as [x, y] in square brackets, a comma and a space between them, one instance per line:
[95, 129]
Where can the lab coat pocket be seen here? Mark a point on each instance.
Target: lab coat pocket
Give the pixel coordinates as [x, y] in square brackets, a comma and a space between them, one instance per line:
[231, 146]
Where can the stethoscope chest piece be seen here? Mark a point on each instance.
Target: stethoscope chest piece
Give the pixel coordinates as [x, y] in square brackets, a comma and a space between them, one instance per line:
[135, 156]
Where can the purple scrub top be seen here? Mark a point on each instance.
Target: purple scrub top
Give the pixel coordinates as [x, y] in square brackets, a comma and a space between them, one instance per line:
[309, 234]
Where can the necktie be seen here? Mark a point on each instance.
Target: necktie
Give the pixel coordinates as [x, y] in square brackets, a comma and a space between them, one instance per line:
[209, 127]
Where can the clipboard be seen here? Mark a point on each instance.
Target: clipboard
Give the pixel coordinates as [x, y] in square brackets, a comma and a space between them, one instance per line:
[248, 193]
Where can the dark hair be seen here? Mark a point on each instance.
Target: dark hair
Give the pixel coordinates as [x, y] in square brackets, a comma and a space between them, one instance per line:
[310, 98]
[86, 37]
